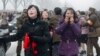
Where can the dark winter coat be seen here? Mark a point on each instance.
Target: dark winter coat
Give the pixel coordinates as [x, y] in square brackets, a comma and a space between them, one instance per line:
[38, 32]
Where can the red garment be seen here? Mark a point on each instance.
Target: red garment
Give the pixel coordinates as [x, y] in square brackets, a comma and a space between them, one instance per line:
[34, 45]
[27, 42]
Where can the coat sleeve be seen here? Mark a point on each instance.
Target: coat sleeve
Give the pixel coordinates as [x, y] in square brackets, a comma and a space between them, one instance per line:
[20, 33]
[76, 29]
[60, 29]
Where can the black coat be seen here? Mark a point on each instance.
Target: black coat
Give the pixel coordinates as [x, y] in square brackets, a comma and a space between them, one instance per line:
[38, 32]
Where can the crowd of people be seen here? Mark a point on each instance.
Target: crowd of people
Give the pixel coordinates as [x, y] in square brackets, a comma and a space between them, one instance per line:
[54, 33]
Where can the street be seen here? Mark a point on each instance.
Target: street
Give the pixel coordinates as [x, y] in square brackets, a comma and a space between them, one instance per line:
[12, 50]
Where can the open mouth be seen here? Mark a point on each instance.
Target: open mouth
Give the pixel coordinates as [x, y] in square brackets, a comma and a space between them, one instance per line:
[31, 13]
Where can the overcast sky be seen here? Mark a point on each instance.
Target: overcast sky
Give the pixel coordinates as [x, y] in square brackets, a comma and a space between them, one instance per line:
[50, 4]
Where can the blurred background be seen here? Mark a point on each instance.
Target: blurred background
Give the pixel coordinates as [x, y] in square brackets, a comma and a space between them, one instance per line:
[19, 5]
[13, 9]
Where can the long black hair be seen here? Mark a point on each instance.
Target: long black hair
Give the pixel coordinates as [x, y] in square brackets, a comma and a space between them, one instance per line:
[74, 13]
[37, 9]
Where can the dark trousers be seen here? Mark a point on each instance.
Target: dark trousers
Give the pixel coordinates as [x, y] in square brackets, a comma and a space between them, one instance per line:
[42, 51]
[28, 52]
[92, 41]
[19, 48]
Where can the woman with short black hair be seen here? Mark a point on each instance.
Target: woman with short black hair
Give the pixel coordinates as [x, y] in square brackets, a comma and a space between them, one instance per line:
[37, 34]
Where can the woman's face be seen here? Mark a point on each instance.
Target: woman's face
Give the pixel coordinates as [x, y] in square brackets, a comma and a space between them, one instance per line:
[32, 12]
[45, 14]
[69, 14]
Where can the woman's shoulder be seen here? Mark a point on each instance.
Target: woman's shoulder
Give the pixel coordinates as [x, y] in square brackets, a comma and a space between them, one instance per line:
[42, 22]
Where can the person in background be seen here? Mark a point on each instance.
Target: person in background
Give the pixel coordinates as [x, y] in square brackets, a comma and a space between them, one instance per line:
[36, 31]
[84, 32]
[20, 21]
[51, 13]
[10, 17]
[45, 17]
[4, 22]
[54, 21]
[69, 30]
[92, 36]
[78, 13]
[4, 31]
